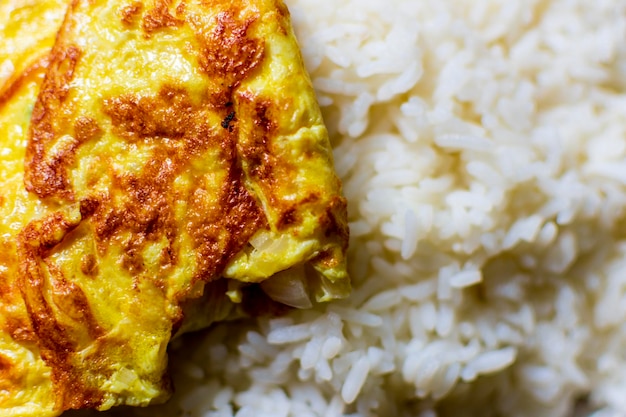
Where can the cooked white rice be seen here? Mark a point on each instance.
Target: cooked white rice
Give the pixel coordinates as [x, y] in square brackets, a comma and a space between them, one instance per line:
[482, 147]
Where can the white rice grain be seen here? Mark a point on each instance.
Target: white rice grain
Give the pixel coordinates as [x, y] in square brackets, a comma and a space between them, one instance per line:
[382, 301]
[491, 361]
[409, 241]
[355, 379]
[465, 279]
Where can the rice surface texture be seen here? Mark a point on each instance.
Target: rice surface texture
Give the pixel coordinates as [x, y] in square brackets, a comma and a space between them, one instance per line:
[482, 148]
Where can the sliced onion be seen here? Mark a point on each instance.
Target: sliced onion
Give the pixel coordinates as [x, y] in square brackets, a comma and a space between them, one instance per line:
[261, 240]
[288, 287]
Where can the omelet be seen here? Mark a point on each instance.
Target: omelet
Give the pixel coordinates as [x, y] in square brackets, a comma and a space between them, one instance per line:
[166, 167]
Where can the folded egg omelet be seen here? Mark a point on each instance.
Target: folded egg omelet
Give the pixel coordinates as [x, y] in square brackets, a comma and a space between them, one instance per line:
[164, 166]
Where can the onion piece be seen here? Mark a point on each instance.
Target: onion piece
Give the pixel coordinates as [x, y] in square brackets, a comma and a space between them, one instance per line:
[288, 287]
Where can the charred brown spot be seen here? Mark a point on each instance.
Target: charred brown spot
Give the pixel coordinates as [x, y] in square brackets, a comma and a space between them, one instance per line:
[71, 389]
[44, 234]
[311, 198]
[328, 259]
[57, 344]
[19, 328]
[72, 301]
[274, 173]
[227, 229]
[288, 217]
[16, 81]
[228, 52]
[283, 12]
[147, 212]
[7, 290]
[159, 17]
[263, 119]
[53, 170]
[46, 175]
[89, 265]
[5, 364]
[169, 115]
[88, 206]
[257, 149]
[284, 17]
[60, 73]
[86, 129]
[130, 13]
[330, 220]
[10, 375]
[168, 257]
[34, 242]
[16, 322]
[50, 179]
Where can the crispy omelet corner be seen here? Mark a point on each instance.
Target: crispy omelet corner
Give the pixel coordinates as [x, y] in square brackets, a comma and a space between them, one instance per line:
[165, 166]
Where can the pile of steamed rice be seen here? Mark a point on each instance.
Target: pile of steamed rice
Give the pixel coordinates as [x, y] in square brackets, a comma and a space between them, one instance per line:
[482, 148]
